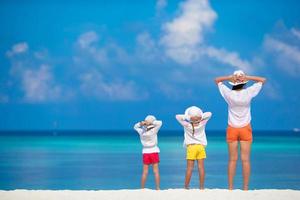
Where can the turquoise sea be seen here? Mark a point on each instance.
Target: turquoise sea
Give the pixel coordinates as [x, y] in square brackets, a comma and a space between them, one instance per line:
[93, 160]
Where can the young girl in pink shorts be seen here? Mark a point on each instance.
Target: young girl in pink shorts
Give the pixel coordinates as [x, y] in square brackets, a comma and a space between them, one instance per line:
[148, 130]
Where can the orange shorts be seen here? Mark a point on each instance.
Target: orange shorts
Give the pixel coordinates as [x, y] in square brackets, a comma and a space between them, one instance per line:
[239, 134]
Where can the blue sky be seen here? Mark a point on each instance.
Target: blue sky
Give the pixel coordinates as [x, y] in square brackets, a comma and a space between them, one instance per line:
[107, 64]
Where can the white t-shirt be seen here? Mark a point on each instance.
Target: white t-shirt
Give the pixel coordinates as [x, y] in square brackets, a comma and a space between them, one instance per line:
[199, 136]
[149, 138]
[239, 113]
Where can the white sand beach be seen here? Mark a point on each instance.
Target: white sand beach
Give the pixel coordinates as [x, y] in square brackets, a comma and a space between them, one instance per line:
[147, 194]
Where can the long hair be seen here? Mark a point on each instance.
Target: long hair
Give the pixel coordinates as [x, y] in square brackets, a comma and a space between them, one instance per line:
[238, 87]
[193, 128]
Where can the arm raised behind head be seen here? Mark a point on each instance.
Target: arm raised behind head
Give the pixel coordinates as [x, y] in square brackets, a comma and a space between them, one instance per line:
[157, 124]
[256, 79]
[138, 127]
[224, 78]
[182, 120]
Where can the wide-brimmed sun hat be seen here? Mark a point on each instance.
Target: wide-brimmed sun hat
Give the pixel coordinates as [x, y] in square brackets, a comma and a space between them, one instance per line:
[238, 73]
[150, 119]
[193, 111]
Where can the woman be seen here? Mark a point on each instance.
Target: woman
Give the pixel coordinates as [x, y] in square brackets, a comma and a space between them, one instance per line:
[239, 128]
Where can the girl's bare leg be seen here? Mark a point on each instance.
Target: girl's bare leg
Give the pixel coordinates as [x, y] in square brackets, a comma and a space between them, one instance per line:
[201, 173]
[144, 175]
[156, 175]
[188, 175]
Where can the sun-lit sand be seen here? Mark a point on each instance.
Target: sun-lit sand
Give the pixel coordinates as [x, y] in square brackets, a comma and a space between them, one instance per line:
[147, 194]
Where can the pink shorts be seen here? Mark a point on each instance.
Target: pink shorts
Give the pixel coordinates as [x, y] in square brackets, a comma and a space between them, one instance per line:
[150, 158]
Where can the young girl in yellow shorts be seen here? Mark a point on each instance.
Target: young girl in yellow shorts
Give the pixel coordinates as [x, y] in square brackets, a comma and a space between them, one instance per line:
[193, 122]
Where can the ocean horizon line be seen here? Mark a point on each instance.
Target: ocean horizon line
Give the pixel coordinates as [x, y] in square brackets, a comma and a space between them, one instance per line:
[120, 130]
[102, 132]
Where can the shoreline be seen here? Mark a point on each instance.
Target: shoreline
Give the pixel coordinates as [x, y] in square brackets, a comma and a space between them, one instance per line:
[147, 194]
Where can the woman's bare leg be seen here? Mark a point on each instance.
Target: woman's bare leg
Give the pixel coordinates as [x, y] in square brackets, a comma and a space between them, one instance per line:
[245, 157]
[156, 175]
[233, 156]
[144, 175]
[189, 171]
[201, 173]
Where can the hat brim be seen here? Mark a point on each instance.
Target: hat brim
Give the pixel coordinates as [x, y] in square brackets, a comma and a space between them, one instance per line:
[237, 83]
[186, 113]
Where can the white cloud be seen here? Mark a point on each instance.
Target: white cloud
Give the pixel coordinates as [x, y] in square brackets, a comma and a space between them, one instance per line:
[296, 32]
[38, 85]
[87, 43]
[117, 54]
[146, 48]
[33, 76]
[292, 52]
[286, 55]
[93, 84]
[160, 4]
[90, 51]
[183, 35]
[272, 90]
[37, 82]
[103, 67]
[144, 40]
[41, 54]
[107, 59]
[226, 57]
[175, 92]
[18, 48]
[86, 39]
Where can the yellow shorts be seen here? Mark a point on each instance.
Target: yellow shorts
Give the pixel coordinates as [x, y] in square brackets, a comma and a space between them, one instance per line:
[195, 152]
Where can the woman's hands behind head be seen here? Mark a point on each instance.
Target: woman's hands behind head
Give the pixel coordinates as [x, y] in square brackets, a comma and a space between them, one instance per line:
[240, 78]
